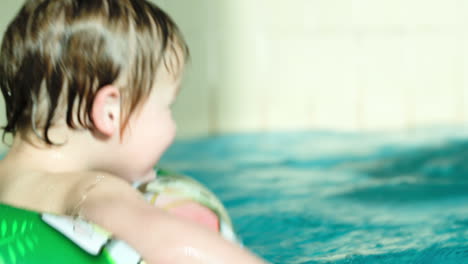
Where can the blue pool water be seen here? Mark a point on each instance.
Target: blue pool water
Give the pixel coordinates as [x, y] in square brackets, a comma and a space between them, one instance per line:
[340, 198]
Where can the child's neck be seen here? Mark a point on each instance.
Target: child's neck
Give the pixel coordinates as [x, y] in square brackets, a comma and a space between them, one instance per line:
[38, 176]
[77, 153]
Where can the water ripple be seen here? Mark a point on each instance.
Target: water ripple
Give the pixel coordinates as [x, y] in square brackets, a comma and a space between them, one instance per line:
[339, 198]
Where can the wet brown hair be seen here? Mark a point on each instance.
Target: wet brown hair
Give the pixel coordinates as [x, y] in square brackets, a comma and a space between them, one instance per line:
[56, 54]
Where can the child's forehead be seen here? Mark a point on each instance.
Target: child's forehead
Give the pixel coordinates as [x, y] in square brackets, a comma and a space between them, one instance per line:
[176, 57]
[171, 69]
[166, 77]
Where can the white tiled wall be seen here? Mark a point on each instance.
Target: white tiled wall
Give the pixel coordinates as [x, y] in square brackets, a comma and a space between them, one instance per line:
[266, 65]
[332, 64]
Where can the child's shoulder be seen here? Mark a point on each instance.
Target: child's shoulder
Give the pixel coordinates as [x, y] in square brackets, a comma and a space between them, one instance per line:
[102, 189]
[60, 193]
[109, 201]
[97, 183]
[115, 205]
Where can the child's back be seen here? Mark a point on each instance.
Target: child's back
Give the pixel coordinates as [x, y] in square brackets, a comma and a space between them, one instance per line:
[88, 86]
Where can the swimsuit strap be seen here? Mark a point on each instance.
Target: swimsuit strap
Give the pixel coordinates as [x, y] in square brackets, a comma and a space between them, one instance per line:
[76, 212]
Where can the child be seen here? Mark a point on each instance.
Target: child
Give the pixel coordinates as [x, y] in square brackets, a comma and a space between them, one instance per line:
[88, 86]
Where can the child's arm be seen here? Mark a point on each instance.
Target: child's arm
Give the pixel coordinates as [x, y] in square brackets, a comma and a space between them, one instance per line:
[159, 237]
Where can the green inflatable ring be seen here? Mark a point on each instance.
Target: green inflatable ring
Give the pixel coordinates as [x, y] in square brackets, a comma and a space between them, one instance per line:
[28, 237]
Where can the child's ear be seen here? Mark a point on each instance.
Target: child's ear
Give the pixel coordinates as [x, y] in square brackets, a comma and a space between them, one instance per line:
[105, 111]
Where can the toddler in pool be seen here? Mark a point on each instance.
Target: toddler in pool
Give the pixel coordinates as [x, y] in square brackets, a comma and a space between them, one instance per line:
[88, 87]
